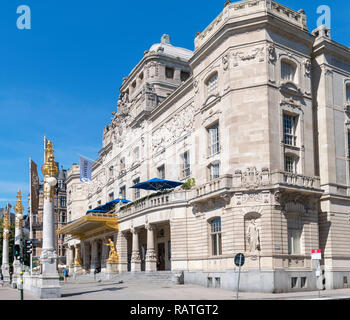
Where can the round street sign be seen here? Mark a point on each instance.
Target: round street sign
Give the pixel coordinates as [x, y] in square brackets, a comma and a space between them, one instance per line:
[239, 259]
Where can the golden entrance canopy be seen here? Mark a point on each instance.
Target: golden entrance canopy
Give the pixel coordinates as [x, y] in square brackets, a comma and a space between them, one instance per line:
[91, 225]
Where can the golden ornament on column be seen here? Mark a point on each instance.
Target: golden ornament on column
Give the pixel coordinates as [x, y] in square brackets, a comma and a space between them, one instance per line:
[7, 223]
[49, 170]
[19, 209]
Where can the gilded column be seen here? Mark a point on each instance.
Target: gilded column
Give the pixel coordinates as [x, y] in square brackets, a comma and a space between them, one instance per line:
[135, 258]
[77, 259]
[18, 236]
[151, 257]
[5, 267]
[48, 283]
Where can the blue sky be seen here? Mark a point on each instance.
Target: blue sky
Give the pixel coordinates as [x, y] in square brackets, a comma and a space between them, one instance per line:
[62, 77]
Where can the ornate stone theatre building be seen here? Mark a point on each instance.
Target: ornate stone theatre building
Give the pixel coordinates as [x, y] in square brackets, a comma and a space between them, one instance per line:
[258, 114]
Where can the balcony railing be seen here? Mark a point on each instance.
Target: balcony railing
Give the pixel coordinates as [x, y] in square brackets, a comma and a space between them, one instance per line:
[296, 180]
[153, 201]
[212, 187]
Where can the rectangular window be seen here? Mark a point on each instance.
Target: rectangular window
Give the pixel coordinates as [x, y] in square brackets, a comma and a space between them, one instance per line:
[348, 92]
[290, 164]
[294, 226]
[169, 72]
[216, 242]
[122, 163]
[186, 167]
[303, 282]
[214, 170]
[294, 281]
[63, 201]
[136, 191]
[288, 71]
[161, 172]
[289, 129]
[214, 143]
[184, 75]
[217, 283]
[210, 282]
[349, 144]
[122, 192]
[111, 196]
[212, 85]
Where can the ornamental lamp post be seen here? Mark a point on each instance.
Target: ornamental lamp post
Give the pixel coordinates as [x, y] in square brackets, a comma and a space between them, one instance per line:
[17, 263]
[5, 267]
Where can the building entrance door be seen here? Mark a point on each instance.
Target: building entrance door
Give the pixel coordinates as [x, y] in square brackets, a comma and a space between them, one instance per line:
[161, 257]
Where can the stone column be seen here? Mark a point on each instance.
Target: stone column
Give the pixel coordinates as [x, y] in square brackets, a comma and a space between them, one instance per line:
[70, 259]
[17, 268]
[87, 252]
[5, 267]
[48, 283]
[94, 255]
[104, 255]
[122, 250]
[151, 257]
[135, 258]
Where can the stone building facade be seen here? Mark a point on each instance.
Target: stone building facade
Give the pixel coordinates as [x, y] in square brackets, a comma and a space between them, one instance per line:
[258, 115]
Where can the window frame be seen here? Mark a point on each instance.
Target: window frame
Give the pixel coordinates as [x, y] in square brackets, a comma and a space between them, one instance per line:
[294, 234]
[292, 135]
[213, 139]
[186, 165]
[295, 160]
[215, 236]
[212, 84]
[293, 66]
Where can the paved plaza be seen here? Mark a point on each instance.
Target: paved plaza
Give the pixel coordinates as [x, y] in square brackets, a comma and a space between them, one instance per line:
[94, 290]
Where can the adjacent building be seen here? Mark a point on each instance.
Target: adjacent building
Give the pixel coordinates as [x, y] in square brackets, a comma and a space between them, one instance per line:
[258, 115]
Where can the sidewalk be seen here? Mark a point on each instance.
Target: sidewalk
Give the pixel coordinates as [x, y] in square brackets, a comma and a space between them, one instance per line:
[105, 290]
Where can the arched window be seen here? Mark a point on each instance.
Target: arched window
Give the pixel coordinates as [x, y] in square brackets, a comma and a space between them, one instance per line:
[288, 70]
[215, 237]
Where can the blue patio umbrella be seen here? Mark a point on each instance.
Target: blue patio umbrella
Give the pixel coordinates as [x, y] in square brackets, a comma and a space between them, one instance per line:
[157, 184]
[108, 206]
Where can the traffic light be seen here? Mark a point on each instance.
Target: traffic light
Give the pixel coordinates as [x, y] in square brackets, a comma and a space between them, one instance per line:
[28, 246]
[17, 251]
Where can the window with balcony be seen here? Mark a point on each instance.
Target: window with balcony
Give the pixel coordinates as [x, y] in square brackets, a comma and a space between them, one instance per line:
[212, 85]
[136, 191]
[294, 225]
[122, 192]
[186, 167]
[288, 71]
[289, 129]
[161, 172]
[214, 170]
[290, 163]
[215, 237]
[214, 143]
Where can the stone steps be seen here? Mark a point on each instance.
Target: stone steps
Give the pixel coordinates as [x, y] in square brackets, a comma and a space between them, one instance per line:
[161, 277]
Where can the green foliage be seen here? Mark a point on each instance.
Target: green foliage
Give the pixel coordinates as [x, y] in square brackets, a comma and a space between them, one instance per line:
[189, 184]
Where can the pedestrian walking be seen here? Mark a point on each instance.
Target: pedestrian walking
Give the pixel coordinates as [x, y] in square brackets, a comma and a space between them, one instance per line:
[1, 279]
[65, 274]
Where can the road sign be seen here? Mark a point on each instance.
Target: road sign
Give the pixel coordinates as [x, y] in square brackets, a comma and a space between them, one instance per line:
[316, 254]
[239, 259]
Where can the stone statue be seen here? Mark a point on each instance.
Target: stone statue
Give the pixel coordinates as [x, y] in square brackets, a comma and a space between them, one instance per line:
[113, 255]
[253, 236]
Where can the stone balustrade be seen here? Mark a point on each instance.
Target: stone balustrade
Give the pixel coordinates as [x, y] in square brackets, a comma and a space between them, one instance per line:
[238, 10]
[295, 180]
[165, 199]
[220, 184]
